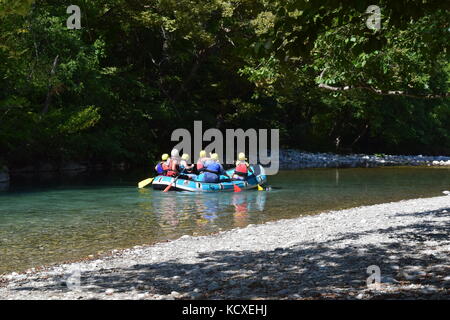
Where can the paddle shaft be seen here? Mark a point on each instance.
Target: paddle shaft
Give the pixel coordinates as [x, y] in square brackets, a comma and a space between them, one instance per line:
[170, 185]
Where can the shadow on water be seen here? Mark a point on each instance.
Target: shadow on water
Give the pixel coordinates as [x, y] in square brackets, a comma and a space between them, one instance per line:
[323, 269]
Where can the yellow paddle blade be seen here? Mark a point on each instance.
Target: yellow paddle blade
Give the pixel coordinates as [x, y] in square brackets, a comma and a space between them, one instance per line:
[260, 188]
[145, 182]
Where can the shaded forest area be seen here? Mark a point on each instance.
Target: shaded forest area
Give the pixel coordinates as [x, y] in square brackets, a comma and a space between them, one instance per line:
[114, 90]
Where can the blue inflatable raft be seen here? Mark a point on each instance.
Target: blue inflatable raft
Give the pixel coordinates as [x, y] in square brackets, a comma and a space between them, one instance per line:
[257, 177]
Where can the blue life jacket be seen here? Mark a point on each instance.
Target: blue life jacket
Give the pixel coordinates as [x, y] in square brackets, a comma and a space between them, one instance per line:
[159, 169]
[211, 173]
[213, 168]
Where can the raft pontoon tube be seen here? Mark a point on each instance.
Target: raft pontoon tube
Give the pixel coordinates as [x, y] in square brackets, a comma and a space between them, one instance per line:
[257, 177]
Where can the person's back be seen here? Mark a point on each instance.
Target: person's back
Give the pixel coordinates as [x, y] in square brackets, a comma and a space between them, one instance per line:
[160, 166]
[211, 173]
[185, 168]
[242, 168]
[172, 163]
[213, 158]
[159, 169]
[212, 169]
[201, 161]
[167, 167]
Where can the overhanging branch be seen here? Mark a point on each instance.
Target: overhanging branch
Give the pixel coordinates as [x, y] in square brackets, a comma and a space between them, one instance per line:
[384, 92]
[381, 92]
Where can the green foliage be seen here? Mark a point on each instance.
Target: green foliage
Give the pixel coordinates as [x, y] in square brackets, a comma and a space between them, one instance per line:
[16, 7]
[114, 90]
[82, 120]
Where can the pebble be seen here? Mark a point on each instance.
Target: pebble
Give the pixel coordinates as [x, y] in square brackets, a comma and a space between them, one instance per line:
[235, 292]
[213, 286]
[141, 296]
[283, 292]
[109, 292]
[360, 296]
[429, 290]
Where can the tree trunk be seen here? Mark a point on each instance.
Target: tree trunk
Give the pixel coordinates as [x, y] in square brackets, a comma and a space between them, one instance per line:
[50, 86]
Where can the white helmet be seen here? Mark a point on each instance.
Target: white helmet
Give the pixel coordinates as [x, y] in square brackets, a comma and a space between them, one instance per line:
[175, 153]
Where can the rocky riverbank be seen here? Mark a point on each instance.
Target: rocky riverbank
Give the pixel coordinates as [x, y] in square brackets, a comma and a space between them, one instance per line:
[295, 159]
[314, 257]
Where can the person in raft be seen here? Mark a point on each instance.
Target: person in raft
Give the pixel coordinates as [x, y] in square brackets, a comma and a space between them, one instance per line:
[213, 169]
[171, 164]
[186, 169]
[242, 168]
[159, 167]
[201, 161]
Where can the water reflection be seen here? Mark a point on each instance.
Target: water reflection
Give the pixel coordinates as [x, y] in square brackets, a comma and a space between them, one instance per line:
[202, 210]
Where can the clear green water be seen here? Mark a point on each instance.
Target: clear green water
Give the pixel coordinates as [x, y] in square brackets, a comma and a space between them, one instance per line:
[58, 219]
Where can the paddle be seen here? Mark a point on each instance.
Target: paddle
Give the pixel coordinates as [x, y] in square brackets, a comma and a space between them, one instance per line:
[236, 188]
[170, 185]
[145, 182]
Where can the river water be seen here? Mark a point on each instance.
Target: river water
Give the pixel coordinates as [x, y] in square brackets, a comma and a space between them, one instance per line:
[48, 220]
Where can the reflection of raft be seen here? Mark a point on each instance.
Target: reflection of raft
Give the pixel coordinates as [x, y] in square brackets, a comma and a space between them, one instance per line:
[252, 181]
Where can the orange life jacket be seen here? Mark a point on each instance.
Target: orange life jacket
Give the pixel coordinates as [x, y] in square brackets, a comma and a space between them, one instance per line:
[167, 167]
[241, 169]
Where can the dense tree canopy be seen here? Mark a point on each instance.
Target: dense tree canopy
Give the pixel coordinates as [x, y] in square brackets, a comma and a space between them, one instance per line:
[116, 88]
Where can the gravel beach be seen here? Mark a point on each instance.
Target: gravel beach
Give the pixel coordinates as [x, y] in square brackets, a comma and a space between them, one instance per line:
[297, 159]
[325, 256]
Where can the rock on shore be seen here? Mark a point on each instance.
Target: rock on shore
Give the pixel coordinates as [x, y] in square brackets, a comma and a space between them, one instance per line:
[325, 256]
[295, 159]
